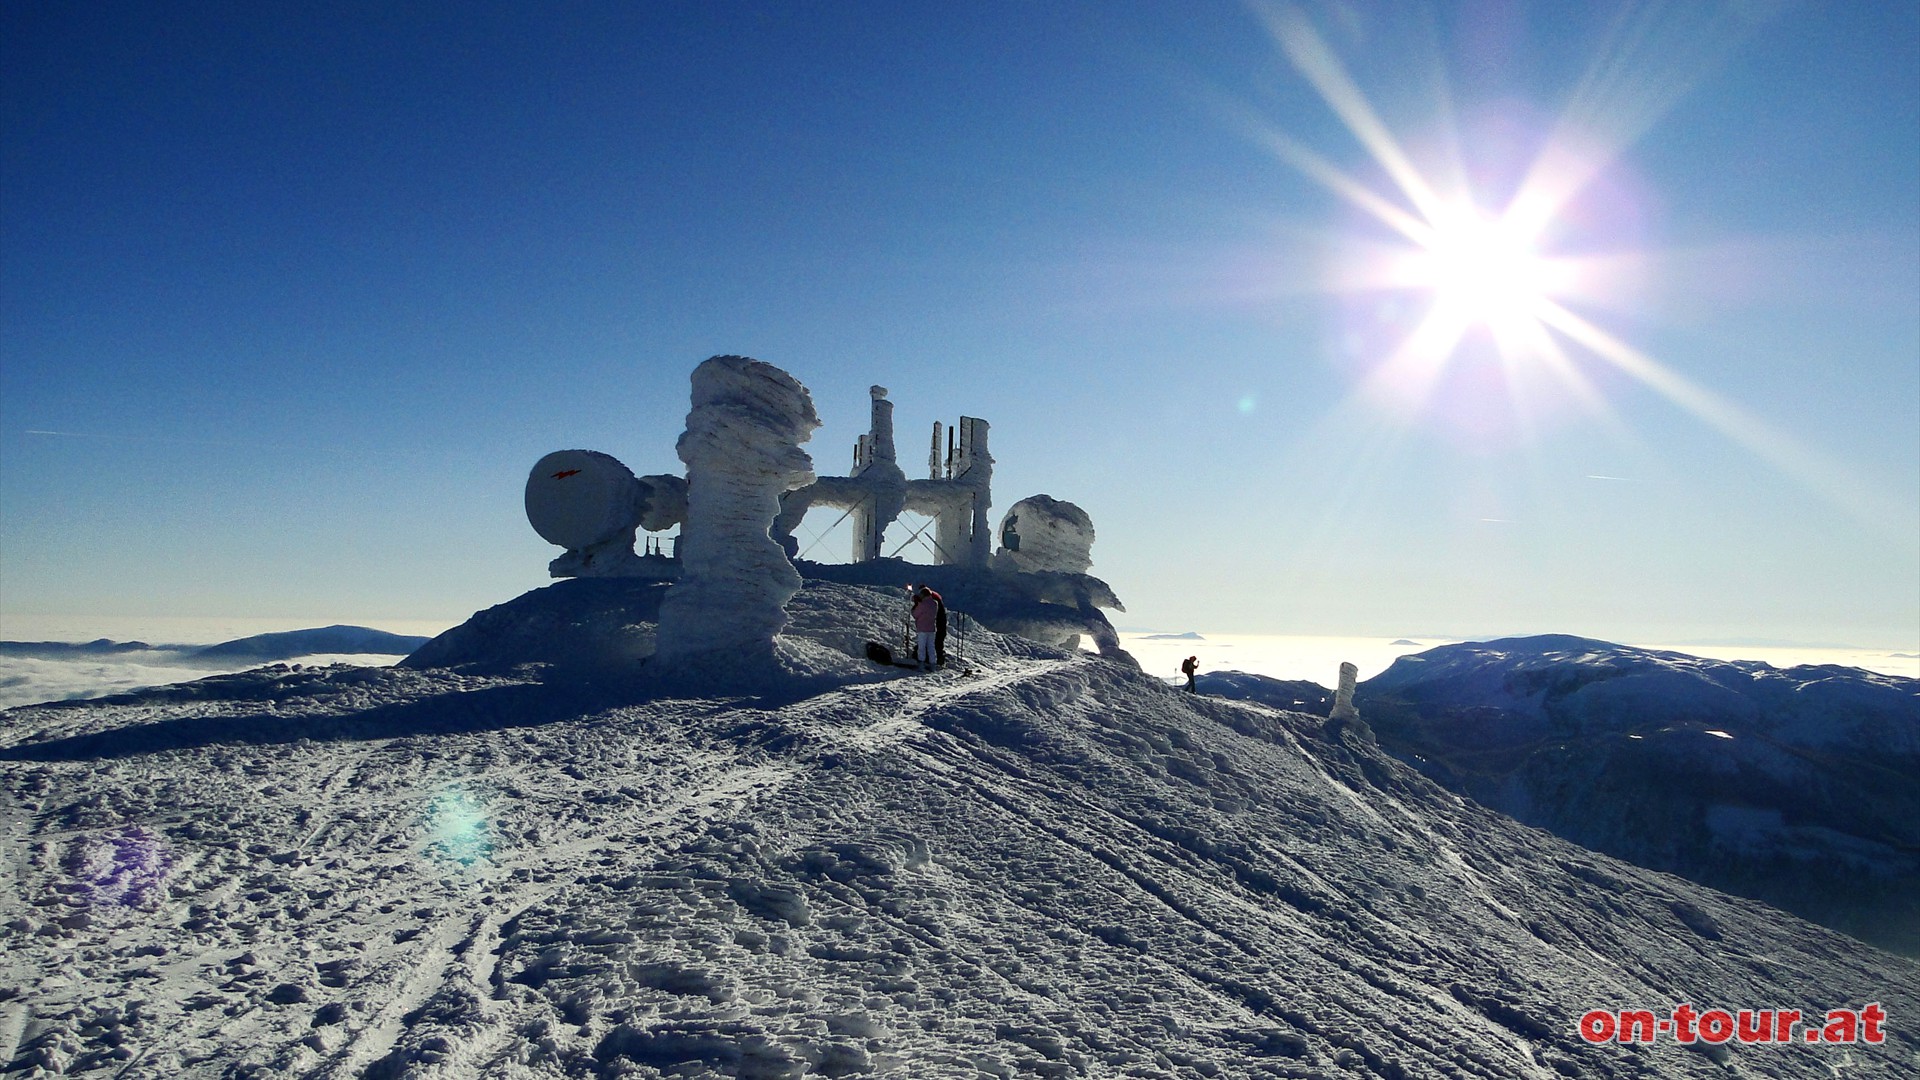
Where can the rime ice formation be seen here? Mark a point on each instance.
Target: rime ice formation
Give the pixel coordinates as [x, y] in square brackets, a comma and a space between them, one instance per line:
[742, 449]
[1042, 533]
[1343, 713]
[957, 492]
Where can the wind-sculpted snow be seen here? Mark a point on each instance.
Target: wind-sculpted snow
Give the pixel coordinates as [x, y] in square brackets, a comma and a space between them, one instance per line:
[1051, 866]
[1800, 787]
[742, 449]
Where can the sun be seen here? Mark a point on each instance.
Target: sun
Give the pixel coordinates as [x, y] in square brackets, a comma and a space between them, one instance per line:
[1481, 270]
[1518, 273]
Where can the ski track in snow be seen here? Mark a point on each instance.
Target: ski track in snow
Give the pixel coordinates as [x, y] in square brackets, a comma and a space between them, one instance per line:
[1050, 866]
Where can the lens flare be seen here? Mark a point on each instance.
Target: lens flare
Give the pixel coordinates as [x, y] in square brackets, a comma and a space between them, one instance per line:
[1495, 287]
[126, 869]
[457, 827]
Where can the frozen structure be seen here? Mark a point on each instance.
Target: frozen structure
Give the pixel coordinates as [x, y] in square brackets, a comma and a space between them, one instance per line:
[955, 495]
[749, 486]
[1042, 533]
[742, 449]
[592, 505]
[873, 494]
[1343, 714]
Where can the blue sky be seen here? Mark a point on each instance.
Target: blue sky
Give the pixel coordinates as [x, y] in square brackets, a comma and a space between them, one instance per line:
[304, 293]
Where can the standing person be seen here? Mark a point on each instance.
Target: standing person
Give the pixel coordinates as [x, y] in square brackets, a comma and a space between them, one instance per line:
[926, 624]
[1190, 667]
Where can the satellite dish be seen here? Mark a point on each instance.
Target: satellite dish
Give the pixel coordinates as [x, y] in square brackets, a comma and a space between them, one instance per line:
[579, 498]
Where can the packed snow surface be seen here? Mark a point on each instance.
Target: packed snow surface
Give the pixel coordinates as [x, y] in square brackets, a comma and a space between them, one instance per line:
[1033, 863]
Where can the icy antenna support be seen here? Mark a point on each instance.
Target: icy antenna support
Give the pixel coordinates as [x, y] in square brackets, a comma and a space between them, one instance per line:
[742, 451]
[956, 494]
[1343, 697]
[872, 494]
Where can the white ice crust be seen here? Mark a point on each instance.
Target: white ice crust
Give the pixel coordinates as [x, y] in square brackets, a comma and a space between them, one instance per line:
[1042, 533]
[742, 450]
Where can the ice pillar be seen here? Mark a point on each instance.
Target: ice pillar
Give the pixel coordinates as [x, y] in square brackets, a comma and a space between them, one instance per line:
[977, 474]
[742, 450]
[1343, 697]
[964, 535]
[878, 462]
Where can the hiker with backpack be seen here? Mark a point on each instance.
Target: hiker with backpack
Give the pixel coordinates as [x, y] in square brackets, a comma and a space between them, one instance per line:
[1190, 667]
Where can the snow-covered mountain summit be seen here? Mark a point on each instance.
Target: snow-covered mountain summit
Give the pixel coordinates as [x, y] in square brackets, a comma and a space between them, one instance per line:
[1034, 863]
[1799, 786]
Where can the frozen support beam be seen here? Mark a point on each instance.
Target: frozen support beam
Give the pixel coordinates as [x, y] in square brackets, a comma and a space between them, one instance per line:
[963, 534]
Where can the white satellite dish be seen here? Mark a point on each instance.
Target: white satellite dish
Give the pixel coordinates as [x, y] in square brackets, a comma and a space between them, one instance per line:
[579, 498]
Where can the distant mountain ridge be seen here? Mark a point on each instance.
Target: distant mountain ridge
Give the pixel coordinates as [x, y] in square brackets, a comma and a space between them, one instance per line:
[264, 647]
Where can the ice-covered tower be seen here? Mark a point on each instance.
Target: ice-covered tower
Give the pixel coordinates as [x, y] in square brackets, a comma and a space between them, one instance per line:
[963, 534]
[742, 450]
[885, 485]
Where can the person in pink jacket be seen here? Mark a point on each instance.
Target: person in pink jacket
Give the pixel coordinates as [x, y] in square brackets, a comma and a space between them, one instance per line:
[926, 625]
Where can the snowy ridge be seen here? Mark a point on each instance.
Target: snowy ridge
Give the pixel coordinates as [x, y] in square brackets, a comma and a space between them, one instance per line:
[1800, 786]
[1053, 866]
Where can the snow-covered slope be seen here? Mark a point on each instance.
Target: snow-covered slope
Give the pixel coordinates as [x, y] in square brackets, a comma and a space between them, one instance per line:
[1043, 865]
[1800, 787]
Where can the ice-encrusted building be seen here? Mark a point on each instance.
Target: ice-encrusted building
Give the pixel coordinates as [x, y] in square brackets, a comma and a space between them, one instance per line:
[748, 486]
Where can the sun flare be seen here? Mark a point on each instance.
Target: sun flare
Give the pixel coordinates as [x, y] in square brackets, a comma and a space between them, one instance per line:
[1481, 270]
[1500, 272]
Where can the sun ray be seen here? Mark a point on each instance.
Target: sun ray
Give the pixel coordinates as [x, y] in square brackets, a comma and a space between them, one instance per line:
[1257, 130]
[1652, 57]
[1819, 473]
[1311, 56]
[1405, 380]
